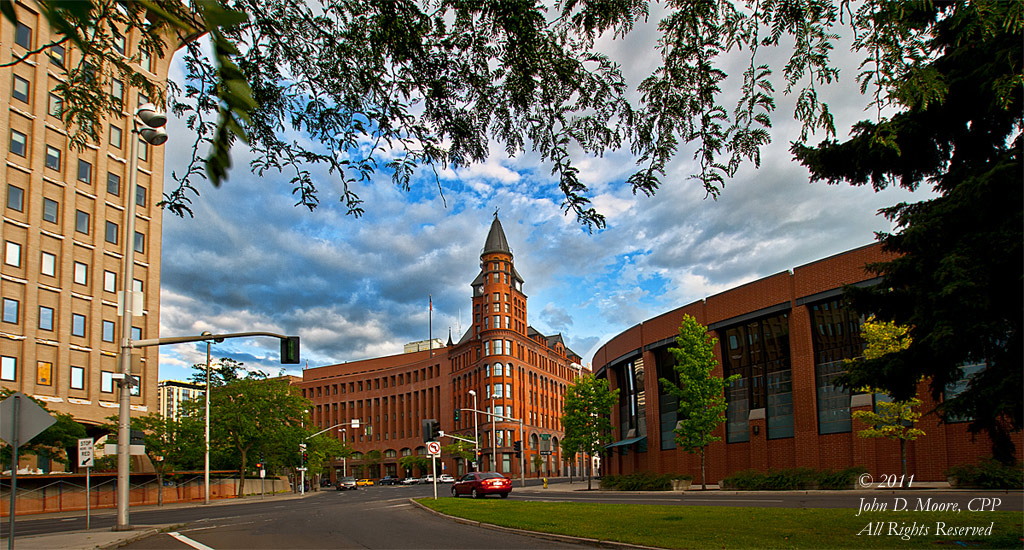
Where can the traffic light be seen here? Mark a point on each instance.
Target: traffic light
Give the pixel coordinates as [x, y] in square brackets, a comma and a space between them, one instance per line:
[305, 456]
[517, 446]
[457, 415]
[431, 430]
[290, 350]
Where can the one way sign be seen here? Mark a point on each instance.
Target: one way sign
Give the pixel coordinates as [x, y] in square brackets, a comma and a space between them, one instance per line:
[85, 456]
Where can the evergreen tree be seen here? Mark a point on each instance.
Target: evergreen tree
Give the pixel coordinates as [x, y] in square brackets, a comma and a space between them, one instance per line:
[954, 275]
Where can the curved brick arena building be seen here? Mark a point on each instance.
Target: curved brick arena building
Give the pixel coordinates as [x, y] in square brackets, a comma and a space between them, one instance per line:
[786, 336]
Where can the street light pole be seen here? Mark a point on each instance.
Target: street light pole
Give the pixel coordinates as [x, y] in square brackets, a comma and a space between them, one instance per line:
[206, 458]
[476, 434]
[147, 124]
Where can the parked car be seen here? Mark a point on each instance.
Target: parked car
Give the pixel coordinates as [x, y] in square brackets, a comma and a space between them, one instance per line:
[445, 478]
[478, 484]
[388, 480]
[365, 483]
[346, 484]
[427, 479]
[410, 481]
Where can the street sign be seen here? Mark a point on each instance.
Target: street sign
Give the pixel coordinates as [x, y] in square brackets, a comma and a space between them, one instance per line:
[433, 447]
[32, 419]
[355, 422]
[85, 454]
[263, 474]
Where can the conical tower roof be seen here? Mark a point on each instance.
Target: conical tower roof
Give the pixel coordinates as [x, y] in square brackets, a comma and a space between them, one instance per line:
[496, 241]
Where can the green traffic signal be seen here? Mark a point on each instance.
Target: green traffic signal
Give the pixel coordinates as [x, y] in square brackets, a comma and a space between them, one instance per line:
[290, 350]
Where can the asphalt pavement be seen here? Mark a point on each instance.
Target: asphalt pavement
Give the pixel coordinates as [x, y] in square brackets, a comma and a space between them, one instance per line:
[105, 539]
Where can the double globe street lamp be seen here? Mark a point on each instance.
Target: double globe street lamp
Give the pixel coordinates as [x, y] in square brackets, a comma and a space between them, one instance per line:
[148, 124]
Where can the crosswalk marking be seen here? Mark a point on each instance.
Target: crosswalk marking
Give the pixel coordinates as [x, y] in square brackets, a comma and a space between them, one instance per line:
[188, 541]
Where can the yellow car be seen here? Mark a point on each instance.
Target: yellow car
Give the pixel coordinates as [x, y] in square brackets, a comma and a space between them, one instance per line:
[364, 482]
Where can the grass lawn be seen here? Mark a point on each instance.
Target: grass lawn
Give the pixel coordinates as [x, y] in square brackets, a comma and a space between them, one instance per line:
[726, 527]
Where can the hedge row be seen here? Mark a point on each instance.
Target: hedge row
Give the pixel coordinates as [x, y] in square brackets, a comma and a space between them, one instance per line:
[791, 479]
[640, 481]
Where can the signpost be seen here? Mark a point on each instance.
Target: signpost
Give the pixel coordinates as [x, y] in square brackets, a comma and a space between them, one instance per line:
[434, 448]
[28, 420]
[85, 458]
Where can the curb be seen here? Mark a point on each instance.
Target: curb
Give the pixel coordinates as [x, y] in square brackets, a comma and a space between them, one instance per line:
[535, 534]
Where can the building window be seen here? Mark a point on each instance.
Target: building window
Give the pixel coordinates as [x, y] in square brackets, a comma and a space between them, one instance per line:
[48, 264]
[57, 55]
[19, 143]
[44, 373]
[8, 368]
[140, 242]
[143, 150]
[81, 273]
[23, 36]
[108, 331]
[119, 44]
[77, 378]
[115, 137]
[137, 386]
[50, 210]
[84, 171]
[140, 195]
[967, 372]
[56, 106]
[45, 318]
[20, 91]
[113, 184]
[110, 281]
[111, 235]
[106, 382]
[835, 333]
[15, 198]
[136, 333]
[77, 325]
[145, 60]
[10, 311]
[52, 158]
[758, 351]
[12, 254]
[82, 222]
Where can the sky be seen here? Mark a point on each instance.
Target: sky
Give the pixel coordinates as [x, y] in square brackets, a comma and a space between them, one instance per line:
[354, 289]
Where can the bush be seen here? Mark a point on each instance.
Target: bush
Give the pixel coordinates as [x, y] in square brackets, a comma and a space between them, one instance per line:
[792, 479]
[843, 479]
[640, 481]
[988, 474]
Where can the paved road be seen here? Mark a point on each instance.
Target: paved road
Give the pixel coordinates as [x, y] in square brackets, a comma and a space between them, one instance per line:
[380, 517]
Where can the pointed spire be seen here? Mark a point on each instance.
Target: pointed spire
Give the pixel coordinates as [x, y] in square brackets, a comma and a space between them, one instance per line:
[496, 241]
[450, 344]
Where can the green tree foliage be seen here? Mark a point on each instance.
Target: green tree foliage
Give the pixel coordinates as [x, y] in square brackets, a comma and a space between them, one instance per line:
[51, 444]
[890, 419]
[323, 450]
[410, 463]
[400, 86]
[955, 275]
[460, 450]
[251, 415]
[538, 462]
[701, 394]
[586, 417]
[170, 444]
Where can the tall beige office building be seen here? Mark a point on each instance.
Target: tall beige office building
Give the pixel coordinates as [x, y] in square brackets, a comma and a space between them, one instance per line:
[63, 234]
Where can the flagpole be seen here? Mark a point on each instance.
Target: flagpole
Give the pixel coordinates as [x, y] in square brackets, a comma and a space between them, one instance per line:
[430, 324]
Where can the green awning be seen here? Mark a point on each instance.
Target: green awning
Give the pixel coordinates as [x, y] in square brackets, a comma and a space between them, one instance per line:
[625, 442]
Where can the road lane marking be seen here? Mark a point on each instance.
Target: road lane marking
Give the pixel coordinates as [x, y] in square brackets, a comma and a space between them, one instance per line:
[188, 541]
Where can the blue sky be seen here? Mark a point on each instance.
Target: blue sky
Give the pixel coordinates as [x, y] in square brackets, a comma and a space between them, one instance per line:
[357, 288]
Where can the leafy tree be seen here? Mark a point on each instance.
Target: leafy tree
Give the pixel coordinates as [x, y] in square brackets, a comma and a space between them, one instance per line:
[891, 419]
[51, 444]
[414, 462]
[586, 417]
[538, 461]
[224, 371]
[701, 394]
[170, 444]
[372, 459]
[252, 414]
[322, 450]
[460, 450]
[401, 86]
[954, 275]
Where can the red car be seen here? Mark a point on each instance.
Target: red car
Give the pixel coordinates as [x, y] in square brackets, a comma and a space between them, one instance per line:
[479, 484]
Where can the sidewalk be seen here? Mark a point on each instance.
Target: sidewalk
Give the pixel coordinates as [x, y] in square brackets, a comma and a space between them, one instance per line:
[103, 538]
